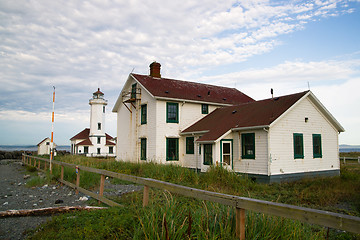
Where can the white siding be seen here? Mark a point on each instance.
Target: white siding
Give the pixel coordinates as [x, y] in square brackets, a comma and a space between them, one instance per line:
[252, 166]
[281, 141]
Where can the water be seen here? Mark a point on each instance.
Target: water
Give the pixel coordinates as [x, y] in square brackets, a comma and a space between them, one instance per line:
[10, 148]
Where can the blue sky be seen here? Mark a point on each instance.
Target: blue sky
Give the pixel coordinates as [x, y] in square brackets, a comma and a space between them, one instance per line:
[79, 46]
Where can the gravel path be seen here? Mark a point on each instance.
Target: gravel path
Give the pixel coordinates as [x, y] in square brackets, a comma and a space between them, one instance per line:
[15, 195]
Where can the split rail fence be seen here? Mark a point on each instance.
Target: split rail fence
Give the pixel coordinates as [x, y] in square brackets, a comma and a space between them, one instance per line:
[351, 160]
[241, 204]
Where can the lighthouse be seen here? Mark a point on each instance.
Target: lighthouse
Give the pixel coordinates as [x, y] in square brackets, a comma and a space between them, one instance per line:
[94, 141]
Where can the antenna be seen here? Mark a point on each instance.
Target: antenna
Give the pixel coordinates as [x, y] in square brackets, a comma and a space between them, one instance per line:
[308, 85]
[132, 69]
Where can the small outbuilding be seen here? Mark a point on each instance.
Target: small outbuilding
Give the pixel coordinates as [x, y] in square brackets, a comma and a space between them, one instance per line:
[44, 147]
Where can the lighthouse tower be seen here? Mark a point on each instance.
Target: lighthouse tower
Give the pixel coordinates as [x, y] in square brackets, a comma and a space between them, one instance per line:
[97, 121]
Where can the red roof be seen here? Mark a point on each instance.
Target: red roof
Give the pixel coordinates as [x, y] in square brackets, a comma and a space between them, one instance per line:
[177, 89]
[84, 134]
[253, 114]
[98, 92]
[108, 143]
[86, 142]
[43, 141]
[81, 135]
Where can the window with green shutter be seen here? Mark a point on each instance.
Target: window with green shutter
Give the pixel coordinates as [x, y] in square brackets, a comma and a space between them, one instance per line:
[172, 149]
[172, 112]
[298, 145]
[143, 149]
[204, 108]
[317, 151]
[133, 91]
[208, 157]
[144, 114]
[248, 145]
[190, 145]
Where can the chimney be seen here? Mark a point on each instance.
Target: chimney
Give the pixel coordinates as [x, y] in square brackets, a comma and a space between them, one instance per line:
[155, 69]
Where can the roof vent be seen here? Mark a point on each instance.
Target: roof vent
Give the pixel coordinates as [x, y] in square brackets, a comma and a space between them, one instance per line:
[209, 93]
[233, 112]
[199, 95]
[166, 91]
[224, 99]
[155, 69]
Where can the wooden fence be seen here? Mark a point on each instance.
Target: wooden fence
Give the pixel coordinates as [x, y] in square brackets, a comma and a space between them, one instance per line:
[352, 160]
[241, 204]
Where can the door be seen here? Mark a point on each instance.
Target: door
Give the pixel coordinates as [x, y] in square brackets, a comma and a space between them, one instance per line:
[226, 153]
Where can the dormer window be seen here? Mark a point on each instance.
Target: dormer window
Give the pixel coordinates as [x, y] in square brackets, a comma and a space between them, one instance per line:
[99, 126]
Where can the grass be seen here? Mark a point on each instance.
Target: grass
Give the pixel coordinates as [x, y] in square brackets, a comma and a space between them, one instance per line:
[175, 217]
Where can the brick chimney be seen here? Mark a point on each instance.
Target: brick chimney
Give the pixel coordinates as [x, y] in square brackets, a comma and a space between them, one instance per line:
[155, 69]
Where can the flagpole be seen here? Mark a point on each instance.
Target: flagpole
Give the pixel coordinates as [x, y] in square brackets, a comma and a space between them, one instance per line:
[52, 133]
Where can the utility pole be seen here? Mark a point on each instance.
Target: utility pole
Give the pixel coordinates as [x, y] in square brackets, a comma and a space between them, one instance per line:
[52, 133]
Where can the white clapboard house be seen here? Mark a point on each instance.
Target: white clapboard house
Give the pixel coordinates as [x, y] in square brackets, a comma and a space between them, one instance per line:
[198, 125]
[93, 141]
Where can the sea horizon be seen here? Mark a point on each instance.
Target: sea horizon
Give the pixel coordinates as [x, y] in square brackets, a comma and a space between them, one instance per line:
[10, 148]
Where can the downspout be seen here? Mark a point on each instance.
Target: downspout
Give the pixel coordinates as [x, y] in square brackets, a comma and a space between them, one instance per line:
[269, 154]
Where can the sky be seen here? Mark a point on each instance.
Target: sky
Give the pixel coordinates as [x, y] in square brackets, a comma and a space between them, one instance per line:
[252, 45]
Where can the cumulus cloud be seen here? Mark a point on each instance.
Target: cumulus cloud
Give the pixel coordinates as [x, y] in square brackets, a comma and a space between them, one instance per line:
[79, 46]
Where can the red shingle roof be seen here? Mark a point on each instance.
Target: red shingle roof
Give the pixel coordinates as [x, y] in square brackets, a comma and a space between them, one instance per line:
[259, 113]
[108, 143]
[81, 135]
[177, 89]
[86, 142]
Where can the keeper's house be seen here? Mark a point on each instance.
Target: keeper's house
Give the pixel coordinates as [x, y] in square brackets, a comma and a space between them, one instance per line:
[198, 125]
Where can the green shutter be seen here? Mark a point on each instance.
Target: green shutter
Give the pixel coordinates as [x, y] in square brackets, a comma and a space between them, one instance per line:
[172, 149]
[317, 148]
[298, 146]
[143, 149]
[143, 114]
[172, 112]
[190, 145]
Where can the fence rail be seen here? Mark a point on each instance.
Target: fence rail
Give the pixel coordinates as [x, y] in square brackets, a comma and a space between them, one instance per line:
[352, 159]
[307, 215]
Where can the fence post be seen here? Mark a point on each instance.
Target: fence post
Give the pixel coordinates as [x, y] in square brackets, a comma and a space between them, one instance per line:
[45, 167]
[102, 183]
[77, 180]
[34, 162]
[61, 173]
[240, 223]
[146, 196]
[39, 164]
[359, 159]
[344, 160]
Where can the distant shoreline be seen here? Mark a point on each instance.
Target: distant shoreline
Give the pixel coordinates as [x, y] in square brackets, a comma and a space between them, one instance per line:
[31, 148]
[10, 148]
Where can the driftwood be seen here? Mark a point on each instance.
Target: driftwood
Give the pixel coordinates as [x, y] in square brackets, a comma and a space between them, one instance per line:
[45, 211]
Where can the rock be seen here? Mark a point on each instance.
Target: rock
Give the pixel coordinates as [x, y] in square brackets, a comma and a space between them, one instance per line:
[58, 201]
[26, 176]
[5, 203]
[19, 184]
[83, 198]
[45, 186]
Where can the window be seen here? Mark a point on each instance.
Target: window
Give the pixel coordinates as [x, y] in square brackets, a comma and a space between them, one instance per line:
[47, 143]
[204, 108]
[317, 151]
[248, 145]
[99, 126]
[298, 146]
[103, 109]
[143, 114]
[143, 149]
[190, 145]
[133, 91]
[98, 151]
[98, 140]
[172, 112]
[172, 149]
[208, 154]
[111, 150]
[86, 150]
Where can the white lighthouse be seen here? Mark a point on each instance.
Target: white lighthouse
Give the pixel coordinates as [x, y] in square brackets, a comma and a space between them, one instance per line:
[94, 141]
